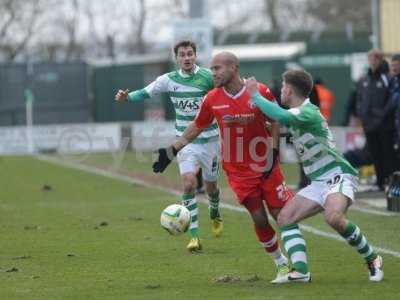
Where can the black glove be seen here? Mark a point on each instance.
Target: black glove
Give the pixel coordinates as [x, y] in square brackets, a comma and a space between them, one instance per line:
[275, 158]
[165, 156]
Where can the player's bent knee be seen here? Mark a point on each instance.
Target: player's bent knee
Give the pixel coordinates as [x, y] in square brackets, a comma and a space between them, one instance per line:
[334, 218]
[189, 183]
[211, 188]
[283, 219]
[189, 188]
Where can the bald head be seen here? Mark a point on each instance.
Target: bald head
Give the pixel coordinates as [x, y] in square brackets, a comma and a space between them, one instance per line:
[227, 58]
[225, 68]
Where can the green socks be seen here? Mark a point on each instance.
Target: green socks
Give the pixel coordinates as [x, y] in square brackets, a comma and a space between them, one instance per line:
[357, 240]
[190, 202]
[295, 246]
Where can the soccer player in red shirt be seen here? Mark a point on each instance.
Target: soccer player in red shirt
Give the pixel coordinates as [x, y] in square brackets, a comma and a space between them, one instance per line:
[252, 169]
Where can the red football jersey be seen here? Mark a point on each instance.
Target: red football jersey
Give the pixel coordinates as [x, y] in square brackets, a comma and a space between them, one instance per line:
[243, 130]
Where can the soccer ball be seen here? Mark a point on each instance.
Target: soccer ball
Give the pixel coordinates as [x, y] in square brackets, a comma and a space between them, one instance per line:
[175, 219]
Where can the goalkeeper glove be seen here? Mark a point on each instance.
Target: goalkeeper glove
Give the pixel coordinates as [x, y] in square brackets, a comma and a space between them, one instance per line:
[165, 156]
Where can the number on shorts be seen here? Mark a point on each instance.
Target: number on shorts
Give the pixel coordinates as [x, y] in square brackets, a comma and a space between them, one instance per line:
[334, 180]
[281, 191]
[214, 166]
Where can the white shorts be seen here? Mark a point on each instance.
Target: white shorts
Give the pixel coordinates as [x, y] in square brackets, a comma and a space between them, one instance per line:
[318, 191]
[207, 155]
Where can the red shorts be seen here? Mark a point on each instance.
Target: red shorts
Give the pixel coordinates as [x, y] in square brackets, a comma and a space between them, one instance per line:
[272, 190]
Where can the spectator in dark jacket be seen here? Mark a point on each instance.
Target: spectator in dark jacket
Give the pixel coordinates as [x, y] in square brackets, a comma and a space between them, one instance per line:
[377, 116]
[351, 115]
[394, 89]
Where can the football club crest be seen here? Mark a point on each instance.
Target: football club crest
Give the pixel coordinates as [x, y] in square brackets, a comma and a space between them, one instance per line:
[251, 104]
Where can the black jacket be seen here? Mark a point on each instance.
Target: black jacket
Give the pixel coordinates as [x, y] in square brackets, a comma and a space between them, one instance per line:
[394, 88]
[351, 106]
[373, 105]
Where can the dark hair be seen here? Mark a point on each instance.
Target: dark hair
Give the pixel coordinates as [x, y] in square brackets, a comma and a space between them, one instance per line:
[318, 80]
[184, 43]
[396, 57]
[301, 81]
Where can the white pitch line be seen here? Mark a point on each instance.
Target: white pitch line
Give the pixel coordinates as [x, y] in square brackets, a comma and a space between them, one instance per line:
[374, 211]
[316, 231]
[112, 175]
[363, 209]
[340, 239]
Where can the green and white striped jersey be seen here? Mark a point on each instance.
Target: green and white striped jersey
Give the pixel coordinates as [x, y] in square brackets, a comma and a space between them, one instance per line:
[314, 144]
[186, 93]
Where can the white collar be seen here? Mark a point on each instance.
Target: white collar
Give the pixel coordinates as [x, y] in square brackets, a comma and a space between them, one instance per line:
[307, 101]
[237, 95]
[184, 75]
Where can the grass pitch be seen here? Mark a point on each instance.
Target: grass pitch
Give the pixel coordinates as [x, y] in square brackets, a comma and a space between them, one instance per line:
[68, 234]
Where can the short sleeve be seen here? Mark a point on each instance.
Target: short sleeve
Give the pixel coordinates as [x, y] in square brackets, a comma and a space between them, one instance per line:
[266, 92]
[160, 85]
[205, 116]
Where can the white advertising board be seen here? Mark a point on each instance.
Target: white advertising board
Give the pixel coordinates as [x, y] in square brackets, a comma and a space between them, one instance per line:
[74, 138]
[151, 135]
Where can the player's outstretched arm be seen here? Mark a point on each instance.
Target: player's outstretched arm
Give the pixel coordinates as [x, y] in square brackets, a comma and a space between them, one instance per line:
[121, 95]
[158, 86]
[270, 109]
[190, 133]
[166, 155]
[125, 95]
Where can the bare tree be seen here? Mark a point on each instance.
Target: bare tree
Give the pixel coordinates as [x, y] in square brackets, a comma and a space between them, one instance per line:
[270, 8]
[294, 16]
[336, 14]
[235, 17]
[93, 39]
[9, 15]
[17, 25]
[140, 26]
[71, 27]
[138, 21]
[59, 34]
[106, 20]
[178, 8]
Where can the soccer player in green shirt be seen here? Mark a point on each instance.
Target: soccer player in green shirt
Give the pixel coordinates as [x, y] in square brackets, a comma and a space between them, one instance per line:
[333, 179]
[186, 88]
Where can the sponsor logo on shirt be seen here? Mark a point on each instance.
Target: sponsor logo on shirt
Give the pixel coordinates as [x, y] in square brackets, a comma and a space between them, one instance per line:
[220, 106]
[241, 119]
[187, 105]
[227, 119]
